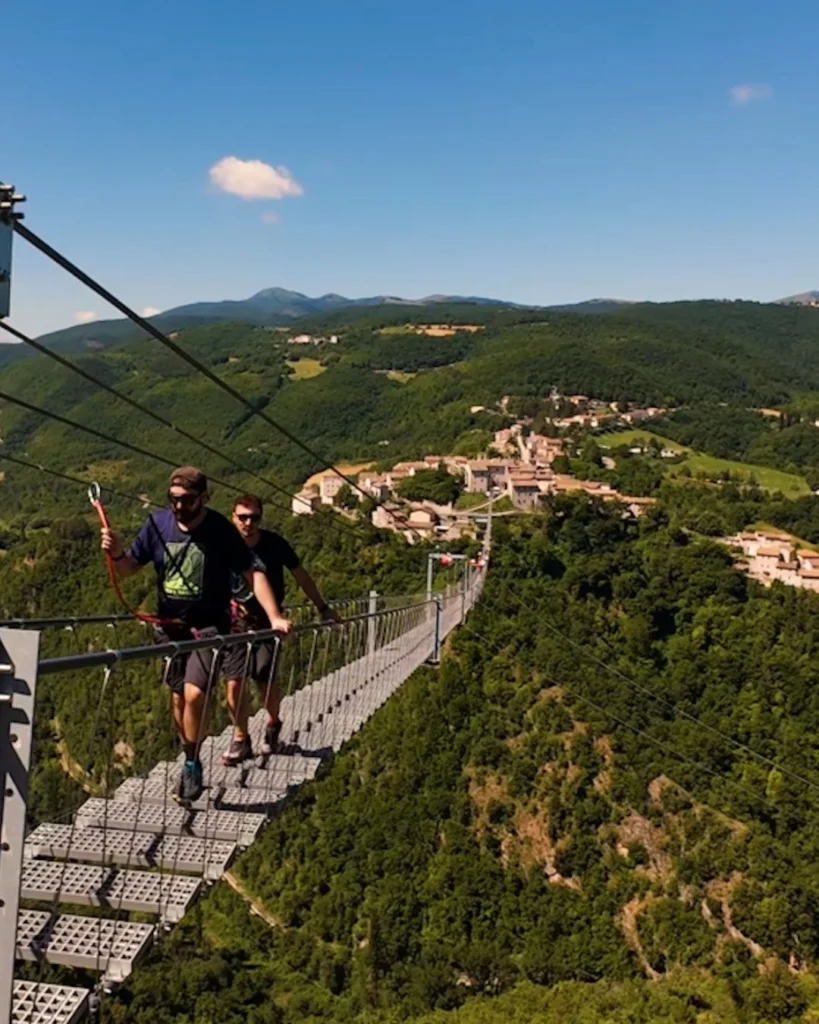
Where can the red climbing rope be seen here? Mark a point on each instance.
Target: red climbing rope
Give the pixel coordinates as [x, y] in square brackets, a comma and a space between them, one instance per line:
[99, 508]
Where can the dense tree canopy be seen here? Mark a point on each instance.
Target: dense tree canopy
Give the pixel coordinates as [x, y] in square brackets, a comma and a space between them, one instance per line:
[611, 776]
[583, 791]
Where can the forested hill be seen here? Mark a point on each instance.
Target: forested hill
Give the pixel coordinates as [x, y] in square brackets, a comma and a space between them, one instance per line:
[587, 794]
[584, 797]
[386, 392]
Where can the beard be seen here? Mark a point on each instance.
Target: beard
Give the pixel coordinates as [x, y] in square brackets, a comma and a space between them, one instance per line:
[186, 515]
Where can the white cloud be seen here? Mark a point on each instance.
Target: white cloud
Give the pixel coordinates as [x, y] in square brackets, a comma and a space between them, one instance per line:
[270, 218]
[150, 311]
[85, 317]
[742, 95]
[253, 179]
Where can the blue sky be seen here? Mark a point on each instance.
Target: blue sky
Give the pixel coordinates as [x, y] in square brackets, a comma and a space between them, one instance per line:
[540, 152]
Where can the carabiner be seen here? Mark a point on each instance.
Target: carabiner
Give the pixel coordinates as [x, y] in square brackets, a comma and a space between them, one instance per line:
[94, 493]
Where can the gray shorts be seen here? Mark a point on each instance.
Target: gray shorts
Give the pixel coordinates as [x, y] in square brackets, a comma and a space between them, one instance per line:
[235, 664]
[196, 667]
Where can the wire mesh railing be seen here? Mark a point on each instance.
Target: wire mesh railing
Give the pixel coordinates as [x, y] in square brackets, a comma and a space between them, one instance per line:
[124, 846]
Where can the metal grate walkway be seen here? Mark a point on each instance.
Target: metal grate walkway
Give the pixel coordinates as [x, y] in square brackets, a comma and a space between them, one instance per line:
[91, 943]
[47, 1004]
[168, 896]
[140, 852]
[209, 858]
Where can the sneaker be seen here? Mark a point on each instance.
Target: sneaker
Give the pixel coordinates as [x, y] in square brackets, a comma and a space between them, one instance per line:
[190, 782]
[239, 750]
[271, 739]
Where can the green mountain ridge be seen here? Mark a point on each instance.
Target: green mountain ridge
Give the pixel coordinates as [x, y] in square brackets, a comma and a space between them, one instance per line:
[268, 307]
[744, 354]
[520, 834]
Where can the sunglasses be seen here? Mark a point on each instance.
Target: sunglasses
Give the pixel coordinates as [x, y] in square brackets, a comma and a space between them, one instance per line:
[248, 517]
[183, 500]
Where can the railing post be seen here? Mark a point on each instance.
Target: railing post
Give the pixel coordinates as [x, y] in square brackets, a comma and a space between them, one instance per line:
[436, 643]
[371, 611]
[19, 653]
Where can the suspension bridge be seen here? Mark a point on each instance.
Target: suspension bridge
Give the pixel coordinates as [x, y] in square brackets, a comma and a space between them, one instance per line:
[133, 850]
[75, 892]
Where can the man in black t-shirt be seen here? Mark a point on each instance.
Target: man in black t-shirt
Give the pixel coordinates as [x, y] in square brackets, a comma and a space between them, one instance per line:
[195, 552]
[271, 555]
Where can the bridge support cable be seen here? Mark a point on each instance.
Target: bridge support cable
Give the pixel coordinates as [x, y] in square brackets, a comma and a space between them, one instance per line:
[62, 261]
[666, 748]
[299, 614]
[140, 499]
[192, 361]
[120, 442]
[671, 706]
[145, 411]
[131, 849]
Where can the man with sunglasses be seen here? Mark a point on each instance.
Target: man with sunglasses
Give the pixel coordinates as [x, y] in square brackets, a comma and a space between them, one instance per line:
[195, 552]
[272, 555]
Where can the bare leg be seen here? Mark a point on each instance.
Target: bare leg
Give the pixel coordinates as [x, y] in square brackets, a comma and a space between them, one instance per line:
[238, 702]
[193, 714]
[272, 701]
[178, 712]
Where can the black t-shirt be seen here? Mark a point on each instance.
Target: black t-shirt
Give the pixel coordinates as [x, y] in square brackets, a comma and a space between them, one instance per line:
[194, 569]
[271, 555]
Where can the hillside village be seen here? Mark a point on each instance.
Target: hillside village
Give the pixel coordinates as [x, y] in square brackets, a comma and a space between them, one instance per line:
[518, 467]
[768, 556]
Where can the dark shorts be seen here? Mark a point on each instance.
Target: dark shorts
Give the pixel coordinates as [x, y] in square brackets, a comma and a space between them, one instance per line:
[235, 663]
[196, 667]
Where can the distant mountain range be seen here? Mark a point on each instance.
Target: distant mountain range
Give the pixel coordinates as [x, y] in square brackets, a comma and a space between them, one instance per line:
[280, 306]
[802, 299]
[281, 303]
[277, 306]
[593, 306]
[269, 307]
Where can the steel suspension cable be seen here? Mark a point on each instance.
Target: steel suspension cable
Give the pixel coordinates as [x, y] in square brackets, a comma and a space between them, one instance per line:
[109, 439]
[71, 268]
[173, 463]
[148, 327]
[43, 350]
[687, 716]
[665, 747]
[675, 708]
[142, 499]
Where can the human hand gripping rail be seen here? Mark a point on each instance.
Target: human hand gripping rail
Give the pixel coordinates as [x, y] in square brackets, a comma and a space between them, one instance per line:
[108, 537]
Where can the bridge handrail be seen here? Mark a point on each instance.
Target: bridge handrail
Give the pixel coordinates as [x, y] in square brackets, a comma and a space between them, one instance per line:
[96, 659]
[66, 621]
[103, 619]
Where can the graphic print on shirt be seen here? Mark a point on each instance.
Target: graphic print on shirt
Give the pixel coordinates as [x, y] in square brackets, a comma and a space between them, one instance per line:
[241, 591]
[184, 571]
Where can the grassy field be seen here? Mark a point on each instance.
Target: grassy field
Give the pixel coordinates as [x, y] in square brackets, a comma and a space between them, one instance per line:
[771, 479]
[630, 437]
[304, 369]
[401, 376]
